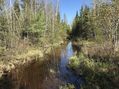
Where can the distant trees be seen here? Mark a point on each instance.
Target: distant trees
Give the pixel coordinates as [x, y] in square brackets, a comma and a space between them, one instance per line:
[82, 24]
[99, 23]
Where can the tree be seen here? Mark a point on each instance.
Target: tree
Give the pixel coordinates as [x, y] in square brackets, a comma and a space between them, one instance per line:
[82, 27]
[1, 4]
[16, 8]
[107, 19]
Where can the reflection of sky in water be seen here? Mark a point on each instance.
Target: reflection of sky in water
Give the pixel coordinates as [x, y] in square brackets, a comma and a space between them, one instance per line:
[69, 50]
[66, 74]
[66, 54]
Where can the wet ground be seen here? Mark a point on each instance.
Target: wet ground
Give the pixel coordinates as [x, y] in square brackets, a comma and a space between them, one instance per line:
[48, 74]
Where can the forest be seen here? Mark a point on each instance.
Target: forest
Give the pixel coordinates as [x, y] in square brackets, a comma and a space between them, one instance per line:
[40, 50]
[96, 31]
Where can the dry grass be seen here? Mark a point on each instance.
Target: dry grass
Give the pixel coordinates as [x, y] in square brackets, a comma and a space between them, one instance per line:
[102, 51]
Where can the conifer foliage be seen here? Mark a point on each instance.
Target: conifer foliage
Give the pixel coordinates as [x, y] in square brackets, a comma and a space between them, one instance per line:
[82, 25]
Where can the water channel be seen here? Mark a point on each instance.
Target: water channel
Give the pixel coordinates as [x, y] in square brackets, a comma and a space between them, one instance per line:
[67, 74]
[35, 75]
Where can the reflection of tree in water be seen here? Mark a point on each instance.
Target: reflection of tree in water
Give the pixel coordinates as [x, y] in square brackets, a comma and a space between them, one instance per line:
[5, 81]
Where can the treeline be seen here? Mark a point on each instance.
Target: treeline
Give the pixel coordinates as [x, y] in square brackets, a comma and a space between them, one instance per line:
[25, 23]
[100, 22]
[82, 25]
[95, 38]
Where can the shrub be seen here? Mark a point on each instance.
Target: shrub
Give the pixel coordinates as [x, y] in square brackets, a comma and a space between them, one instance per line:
[67, 86]
[98, 75]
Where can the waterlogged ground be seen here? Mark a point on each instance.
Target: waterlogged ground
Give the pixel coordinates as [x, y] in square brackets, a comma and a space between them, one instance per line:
[52, 73]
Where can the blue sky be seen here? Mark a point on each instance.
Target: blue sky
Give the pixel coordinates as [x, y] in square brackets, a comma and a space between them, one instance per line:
[69, 7]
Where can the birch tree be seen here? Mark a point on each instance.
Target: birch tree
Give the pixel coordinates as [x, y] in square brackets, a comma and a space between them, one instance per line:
[106, 13]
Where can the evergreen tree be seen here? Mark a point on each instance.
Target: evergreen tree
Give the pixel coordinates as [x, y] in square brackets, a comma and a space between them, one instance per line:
[17, 8]
[82, 27]
[1, 4]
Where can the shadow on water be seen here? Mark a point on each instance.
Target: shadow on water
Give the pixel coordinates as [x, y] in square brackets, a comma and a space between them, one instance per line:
[29, 76]
[32, 75]
[39, 74]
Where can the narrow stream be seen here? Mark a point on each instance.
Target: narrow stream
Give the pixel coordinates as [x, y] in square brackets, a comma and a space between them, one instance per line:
[66, 74]
[33, 75]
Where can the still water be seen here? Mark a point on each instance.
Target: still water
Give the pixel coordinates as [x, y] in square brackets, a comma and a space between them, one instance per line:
[66, 74]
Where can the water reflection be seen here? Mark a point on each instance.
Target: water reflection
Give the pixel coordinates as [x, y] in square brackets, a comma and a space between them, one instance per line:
[36, 74]
[69, 50]
[66, 74]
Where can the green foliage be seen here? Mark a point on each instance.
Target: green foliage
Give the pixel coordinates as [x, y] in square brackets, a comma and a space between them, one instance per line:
[99, 23]
[16, 8]
[82, 25]
[36, 28]
[97, 74]
[3, 31]
[74, 62]
[68, 86]
[30, 23]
